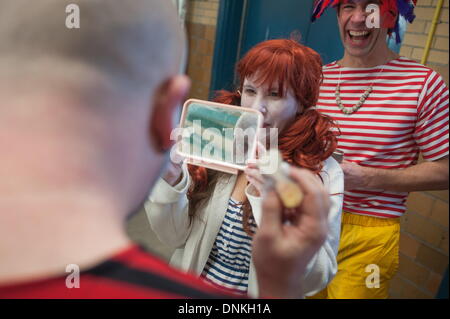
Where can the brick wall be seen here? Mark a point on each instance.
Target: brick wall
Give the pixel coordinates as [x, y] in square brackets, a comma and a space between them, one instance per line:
[416, 36]
[201, 21]
[424, 236]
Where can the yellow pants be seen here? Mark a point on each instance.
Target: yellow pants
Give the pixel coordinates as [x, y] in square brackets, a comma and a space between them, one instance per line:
[367, 258]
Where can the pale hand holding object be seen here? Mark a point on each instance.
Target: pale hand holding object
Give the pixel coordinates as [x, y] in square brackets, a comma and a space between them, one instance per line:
[174, 170]
[278, 171]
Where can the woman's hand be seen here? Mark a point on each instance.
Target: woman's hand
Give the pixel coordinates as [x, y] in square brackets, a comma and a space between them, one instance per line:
[252, 171]
[254, 177]
[174, 169]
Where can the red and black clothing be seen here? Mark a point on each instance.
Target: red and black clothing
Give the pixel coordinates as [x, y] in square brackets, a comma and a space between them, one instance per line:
[132, 274]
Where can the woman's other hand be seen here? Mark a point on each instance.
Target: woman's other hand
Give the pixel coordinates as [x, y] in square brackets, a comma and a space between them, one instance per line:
[174, 169]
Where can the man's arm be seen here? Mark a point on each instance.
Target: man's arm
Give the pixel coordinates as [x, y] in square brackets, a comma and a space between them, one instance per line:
[420, 177]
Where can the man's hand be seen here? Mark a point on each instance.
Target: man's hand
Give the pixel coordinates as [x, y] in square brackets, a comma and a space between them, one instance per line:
[355, 176]
[283, 248]
[252, 171]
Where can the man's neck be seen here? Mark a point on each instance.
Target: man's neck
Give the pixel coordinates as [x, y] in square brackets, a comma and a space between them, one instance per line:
[43, 232]
[368, 61]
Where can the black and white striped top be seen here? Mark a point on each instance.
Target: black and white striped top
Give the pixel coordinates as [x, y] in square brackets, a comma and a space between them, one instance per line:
[229, 261]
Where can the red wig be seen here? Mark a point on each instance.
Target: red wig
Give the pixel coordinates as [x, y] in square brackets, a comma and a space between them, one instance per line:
[310, 138]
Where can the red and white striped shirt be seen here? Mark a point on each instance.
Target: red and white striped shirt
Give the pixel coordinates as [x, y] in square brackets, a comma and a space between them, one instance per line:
[406, 113]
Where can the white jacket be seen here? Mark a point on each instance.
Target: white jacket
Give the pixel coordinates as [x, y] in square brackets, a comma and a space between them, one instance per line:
[167, 211]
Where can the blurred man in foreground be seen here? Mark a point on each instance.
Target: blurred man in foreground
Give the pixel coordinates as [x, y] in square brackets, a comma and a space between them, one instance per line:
[85, 125]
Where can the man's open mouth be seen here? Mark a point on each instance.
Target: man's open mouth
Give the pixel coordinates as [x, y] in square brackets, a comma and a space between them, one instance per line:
[358, 35]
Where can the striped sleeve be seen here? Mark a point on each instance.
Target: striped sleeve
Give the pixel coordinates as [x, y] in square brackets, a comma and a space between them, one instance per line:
[431, 131]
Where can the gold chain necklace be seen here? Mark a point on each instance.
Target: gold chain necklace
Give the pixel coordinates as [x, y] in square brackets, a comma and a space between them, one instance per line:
[350, 110]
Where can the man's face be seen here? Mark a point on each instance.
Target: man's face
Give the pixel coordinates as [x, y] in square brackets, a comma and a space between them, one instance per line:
[358, 39]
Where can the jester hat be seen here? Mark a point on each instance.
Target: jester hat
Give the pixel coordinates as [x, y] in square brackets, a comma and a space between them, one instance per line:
[388, 8]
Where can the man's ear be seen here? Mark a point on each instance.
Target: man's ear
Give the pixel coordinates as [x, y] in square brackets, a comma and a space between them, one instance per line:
[167, 98]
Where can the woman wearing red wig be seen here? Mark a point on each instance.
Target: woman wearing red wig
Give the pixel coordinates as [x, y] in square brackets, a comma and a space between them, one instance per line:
[209, 217]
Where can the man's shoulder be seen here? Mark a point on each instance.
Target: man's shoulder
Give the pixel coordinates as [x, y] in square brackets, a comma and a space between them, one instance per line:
[430, 77]
[400, 62]
[403, 67]
[150, 274]
[132, 273]
[330, 66]
[407, 63]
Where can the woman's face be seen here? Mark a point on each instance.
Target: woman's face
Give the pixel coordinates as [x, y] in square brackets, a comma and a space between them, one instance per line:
[279, 112]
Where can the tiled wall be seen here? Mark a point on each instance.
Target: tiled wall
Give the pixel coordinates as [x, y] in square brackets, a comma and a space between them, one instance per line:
[424, 237]
[423, 246]
[201, 21]
[417, 33]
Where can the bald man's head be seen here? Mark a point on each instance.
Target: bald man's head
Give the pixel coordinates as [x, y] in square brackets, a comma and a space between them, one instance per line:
[88, 108]
[130, 45]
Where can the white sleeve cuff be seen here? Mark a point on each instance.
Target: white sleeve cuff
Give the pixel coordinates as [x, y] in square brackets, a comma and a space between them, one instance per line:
[164, 193]
[255, 203]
